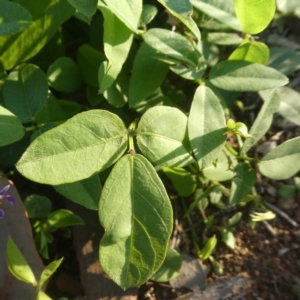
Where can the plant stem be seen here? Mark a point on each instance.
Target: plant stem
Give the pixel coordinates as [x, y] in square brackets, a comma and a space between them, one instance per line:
[11, 172]
[131, 134]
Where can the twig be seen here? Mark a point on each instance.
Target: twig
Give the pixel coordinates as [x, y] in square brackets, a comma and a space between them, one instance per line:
[269, 228]
[280, 213]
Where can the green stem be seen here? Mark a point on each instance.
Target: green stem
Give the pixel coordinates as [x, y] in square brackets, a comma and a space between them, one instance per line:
[11, 172]
[131, 134]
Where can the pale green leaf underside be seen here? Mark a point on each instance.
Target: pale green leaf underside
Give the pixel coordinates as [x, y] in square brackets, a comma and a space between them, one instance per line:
[171, 44]
[183, 10]
[243, 76]
[263, 121]
[161, 135]
[221, 10]
[11, 127]
[282, 162]
[206, 126]
[129, 12]
[137, 215]
[84, 145]
[255, 15]
[85, 192]
[13, 18]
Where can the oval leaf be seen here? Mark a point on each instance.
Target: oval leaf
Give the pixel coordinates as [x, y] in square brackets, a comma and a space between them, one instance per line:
[206, 126]
[11, 127]
[136, 212]
[86, 7]
[281, 163]
[251, 51]
[13, 18]
[161, 136]
[63, 75]
[85, 192]
[171, 44]
[17, 264]
[62, 218]
[243, 76]
[170, 267]
[84, 145]
[148, 74]
[255, 16]
[25, 91]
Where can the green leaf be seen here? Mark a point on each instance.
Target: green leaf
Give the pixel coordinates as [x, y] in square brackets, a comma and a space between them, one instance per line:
[17, 264]
[280, 163]
[61, 155]
[183, 181]
[228, 238]
[64, 76]
[37, 206]
[148, 13]
[62, 218]
[117, 94]
[11, 127]
[183, 10]
[221, 171]
[13, 18]
[242, 184]
[42, 296]
[234, 219]
[135, 246]
[25, 91]
[284, 60]
[162, 136]
[263, 121]
[148, 73]
[86, 7]
[255, 16]
[220, 10]
[92, 96]
[208, 248]
[243, 76]
[170, 268]
[223, 38]
[206, 126]
[251, 51]
[48, 271]
[289, 106]
[89, 61]
[85, 192]
[71, 108]
[129, 12]
[48, 16]
[287, 191]
[172, 45]
[117, 42]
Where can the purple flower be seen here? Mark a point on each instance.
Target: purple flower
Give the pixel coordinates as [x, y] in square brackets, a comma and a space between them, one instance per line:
[6, 197]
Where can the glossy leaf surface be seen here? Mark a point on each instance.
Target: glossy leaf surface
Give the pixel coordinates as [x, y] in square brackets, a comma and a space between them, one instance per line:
[206, 126]
[281, 163]
[62, 155]
[244, 76]
[138, 222]
[13, 18]
[25, 91]
[11, 127]
[183, 10]
[255, 15]
[85, 192]
[62, 218]
[162, 136]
